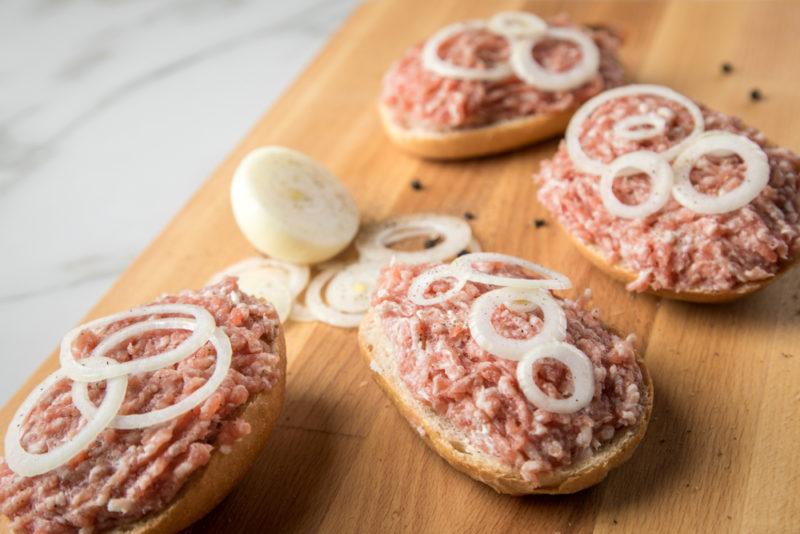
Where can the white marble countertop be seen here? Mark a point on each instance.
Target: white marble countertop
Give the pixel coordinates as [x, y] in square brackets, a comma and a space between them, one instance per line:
[103, 104]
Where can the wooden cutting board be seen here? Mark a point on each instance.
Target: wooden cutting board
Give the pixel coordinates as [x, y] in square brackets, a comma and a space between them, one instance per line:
[721, 452]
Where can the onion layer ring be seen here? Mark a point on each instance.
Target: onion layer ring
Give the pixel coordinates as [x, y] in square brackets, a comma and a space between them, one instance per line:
[554, 279]
[416, 292]
[579, 365]
[630, 128]
[529, 70]
[374, 240]
[324, 312]
[515, 24]
[432, 61]
[661, 179]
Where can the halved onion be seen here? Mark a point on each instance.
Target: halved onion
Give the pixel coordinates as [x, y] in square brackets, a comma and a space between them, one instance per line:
[323, 311]
[554, 324]
[453, 232]
[26, 464]
[580, 367]
[515, 24]
[222, 345]
[259, 283]
[640, 127]
[649, 163]
[294, 276]
[528, 69]
[432, 61]
[552, 280]
[351, 288]
[721, 143]
[202, 327]
[420, 285]
[586, 164]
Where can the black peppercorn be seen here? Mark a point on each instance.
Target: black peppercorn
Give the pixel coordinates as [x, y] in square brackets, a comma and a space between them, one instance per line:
[538, 223]
[468, 215]
[755, 95]
[727, 68]
[416, 185]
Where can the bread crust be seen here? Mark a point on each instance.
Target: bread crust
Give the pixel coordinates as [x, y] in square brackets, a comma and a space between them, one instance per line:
[375, 346]
[618, 272]
[472, 142]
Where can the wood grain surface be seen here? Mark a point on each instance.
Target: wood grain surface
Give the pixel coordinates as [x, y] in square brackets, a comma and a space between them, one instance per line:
[721, 452]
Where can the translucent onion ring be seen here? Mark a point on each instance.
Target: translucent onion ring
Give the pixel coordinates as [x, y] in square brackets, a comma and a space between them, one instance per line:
[483, 332]
[222, 345]
[661, 179]
[529, 70]
[432, 61]
[26, 464]
[416, 292]
[514, 24]
[627, 127]
[203, 326]
[259, 284]
[721, 143]
[324, 312]
[584, 163]
[295, 276]
[579, 365]
[554, 279]
[350, 289]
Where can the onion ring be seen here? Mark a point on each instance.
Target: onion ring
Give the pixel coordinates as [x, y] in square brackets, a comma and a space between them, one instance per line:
[554, 279]
[373, 241]
[529, 70]
[661, 178]
[432, 61]
[350, 289]
[421, 283]
[514, 24]
[324, 312]
[630, 127]
[579, 365]
[294, 276]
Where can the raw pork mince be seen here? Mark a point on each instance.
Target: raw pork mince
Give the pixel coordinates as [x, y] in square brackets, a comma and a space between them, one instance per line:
[445, 369]
[127, 474]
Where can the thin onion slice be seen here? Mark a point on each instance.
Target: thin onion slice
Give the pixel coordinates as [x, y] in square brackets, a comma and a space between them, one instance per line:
[294, 276]
[453, 232]
[323, 311]
[420, 285]
[640, 127]
[721, 143]
[586, 164]
[515, 24]
[222, 345]
[553, 280]
[26, 464]
[350, 289]
[432, 61]
[260, 284]
[554, 326]
[661, 179]
[202, 327]
[528, 69]
[301, 313]
[579, 365]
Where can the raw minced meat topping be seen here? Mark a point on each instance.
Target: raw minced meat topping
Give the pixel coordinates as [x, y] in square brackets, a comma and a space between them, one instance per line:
[676, 248]
[445, 369]
[421, 99]
[126, 474]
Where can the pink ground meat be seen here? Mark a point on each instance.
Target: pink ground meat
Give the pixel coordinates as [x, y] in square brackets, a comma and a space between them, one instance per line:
[445, 369]
[675, 248]
[420, 99]
[127, 474]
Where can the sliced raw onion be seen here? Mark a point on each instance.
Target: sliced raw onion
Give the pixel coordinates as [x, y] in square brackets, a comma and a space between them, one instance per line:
[454, 235]
[474, 246]
[721, 143]
[259, 283]
[579, 365]
[301, 313]
[351, 288]
[420, 285]
[26, 464]
[649, 163]
[323, 311]
[222, 345]
[528, 69]
[586, 164]
[202, 327]
[552, 280]
[432, 61]
[554, 325]
[295, 277]
[515, 24]
[640, 127]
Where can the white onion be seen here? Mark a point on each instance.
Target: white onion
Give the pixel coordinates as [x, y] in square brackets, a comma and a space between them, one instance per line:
[350, 289]
[473, 246]
[222, 345]
[260, 284]
[721, 143]
[26, 464]
[586, 164]
[454, 236]
[301, 313]
[554, 324]
[294, 276]
[553, 280]
[528, 69]
[514, 24]
[202, 325]
[631, 128]
[579, 365]
[420, 285]
[432, 61]
[322, 310]
[649, 163]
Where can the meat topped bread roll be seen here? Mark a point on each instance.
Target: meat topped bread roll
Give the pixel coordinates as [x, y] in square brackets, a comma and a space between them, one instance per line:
[482, 87]
[674, 198]
[153, 416]
[516, 387]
